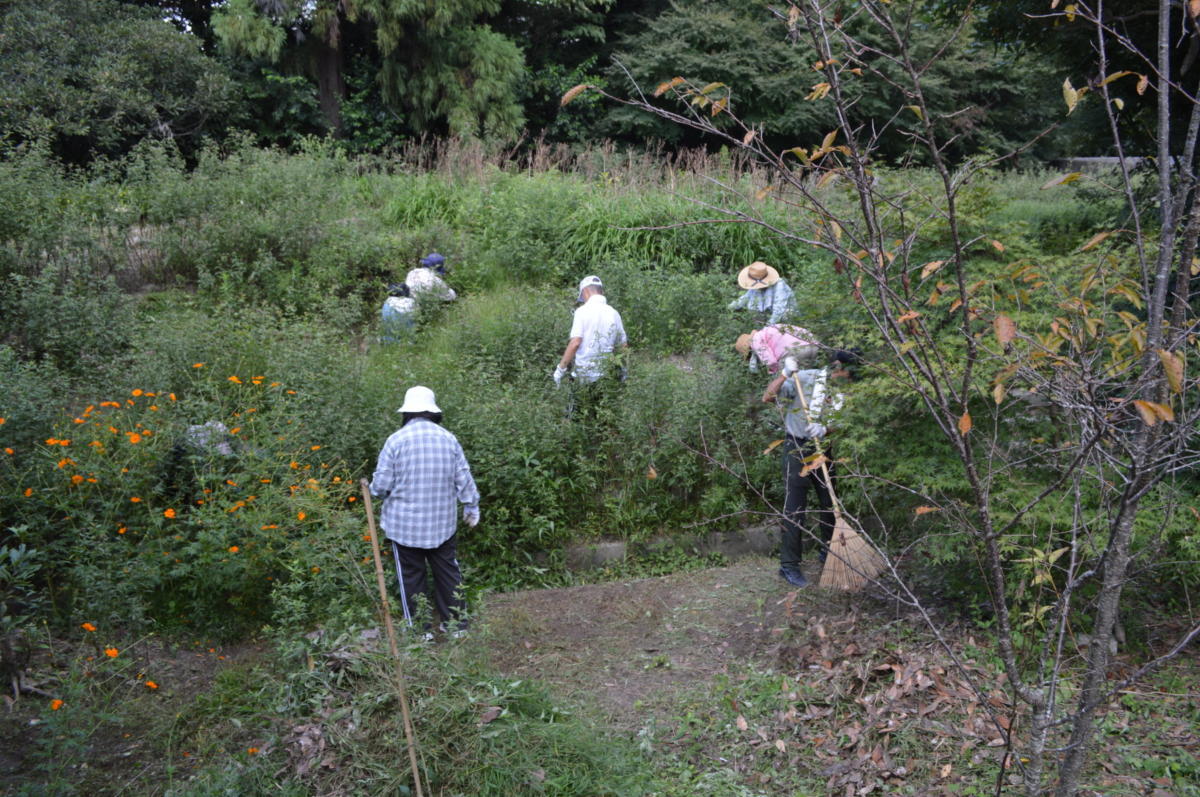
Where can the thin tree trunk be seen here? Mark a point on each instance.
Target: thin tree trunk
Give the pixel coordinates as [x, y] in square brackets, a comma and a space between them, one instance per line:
[331, 85]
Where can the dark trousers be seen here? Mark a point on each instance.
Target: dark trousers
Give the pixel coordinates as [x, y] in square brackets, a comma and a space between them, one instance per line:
[412, 564]
[795, 501]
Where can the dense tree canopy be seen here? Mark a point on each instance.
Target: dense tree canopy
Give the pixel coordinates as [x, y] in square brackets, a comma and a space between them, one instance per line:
[93, 77]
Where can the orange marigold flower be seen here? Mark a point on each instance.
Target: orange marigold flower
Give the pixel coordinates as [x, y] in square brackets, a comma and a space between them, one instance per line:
[352, 498]
[8, 451]
[110, 404]
[316, 569]
[112, 653]
[235, 430]
[300, 516]
[134, 437]
[3, 421]
[291, 392]
[197, 365]
[87, 627]
[64, 442]
[77, 479]
[252, 750]
[89, 409]
[151, 685]
[154, 408]
[28, 491]
[114, 430]
[231, 483]
[265, 481]
[122, 530]
[51, 441]
[270, 526]
[168, 513]
[235, 380]
[91, 479]
[96, 444]
[64, 462]
[137, 391]
[55, 704]
[136, 500]
[314, 448]
[78, 420]
[234, 549]
[171, 396]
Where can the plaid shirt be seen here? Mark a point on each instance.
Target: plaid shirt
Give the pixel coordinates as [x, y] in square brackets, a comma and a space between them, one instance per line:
[421, 475]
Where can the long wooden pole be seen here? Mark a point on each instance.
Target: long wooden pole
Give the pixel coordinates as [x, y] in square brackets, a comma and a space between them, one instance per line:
[391, 632]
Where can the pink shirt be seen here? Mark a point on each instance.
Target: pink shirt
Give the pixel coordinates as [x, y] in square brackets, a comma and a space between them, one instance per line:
[771, 344]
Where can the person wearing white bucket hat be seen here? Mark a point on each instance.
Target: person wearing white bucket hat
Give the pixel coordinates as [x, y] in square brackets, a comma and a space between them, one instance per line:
[422, 475]
[767, 294]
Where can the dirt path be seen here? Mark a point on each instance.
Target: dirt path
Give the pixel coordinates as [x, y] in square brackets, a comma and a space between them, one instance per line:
[631, 645]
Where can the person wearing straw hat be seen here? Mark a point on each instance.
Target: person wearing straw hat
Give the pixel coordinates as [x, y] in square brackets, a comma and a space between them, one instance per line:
[427, 279]
[767, 294]
[422, 475]
[805, 417]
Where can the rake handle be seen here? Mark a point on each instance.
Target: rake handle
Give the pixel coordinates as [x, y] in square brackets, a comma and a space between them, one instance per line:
[409, 736]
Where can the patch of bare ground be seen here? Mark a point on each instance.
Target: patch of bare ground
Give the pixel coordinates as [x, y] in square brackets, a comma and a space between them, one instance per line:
[813, 689]
[112, 731]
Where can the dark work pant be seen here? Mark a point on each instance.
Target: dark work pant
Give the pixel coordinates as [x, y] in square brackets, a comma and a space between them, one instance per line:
[443, 561]
[795, 502]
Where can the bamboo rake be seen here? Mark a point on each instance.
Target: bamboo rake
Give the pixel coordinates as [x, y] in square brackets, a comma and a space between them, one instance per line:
[851, 560]
[409, 736]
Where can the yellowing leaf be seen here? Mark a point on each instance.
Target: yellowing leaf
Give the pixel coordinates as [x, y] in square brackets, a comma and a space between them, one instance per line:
[819, 90]
[1142, 84]
[1116, 75]
[1070, 95]
[780, 745]
[720, 105]
[762, 192]
[917, 110]
[925, 510]
[711, 87]
[931, 268]
[1146, 410]
[1173, 366]
[1120, 103]
[663, 88]
[999, 247]
[837, 230]
[799, 152]
[742, 725]
[964, 423]
[573, 92]
[1006, 330]
[998, 393]
[829, 139]
[746, 139]
[1063, 180]
[774, 444]
[826, 177]
[909, 316]
[651, 473]
[1070, 12]
[1095, 240]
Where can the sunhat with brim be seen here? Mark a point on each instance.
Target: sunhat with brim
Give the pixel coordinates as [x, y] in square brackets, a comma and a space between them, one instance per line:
[590, 281]
[757, 275]
[419, 399]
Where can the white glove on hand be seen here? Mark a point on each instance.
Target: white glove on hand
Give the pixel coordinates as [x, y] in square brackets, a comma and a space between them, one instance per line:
[816, 431]
[558, 375]
[790, 366]
[471, 517]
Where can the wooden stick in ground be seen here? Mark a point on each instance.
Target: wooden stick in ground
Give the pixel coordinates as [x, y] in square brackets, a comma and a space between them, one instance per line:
[850, 561]
[391, 633]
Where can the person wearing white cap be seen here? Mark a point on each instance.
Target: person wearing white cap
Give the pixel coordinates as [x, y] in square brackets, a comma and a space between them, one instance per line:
[767, 294]
[422, 475]
[596, 331]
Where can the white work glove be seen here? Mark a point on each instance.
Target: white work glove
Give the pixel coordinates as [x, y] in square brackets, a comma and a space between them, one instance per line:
[558, 375]
[471, 516]
[790, 366]
[815, 431]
